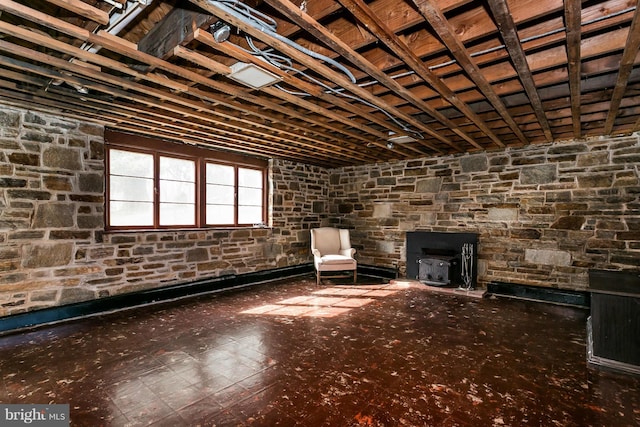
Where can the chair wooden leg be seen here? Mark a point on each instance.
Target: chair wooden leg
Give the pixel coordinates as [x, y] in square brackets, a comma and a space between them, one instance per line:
[318, 277]
[355, 276]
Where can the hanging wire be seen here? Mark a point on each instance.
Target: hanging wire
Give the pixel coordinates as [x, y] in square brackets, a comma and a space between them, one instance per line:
[268, 25]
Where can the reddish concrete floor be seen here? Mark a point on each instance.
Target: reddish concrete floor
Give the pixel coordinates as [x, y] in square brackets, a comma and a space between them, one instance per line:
[294, 354]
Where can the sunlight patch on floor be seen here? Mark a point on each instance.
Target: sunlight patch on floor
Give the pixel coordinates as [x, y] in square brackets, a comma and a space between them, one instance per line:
[327, 302]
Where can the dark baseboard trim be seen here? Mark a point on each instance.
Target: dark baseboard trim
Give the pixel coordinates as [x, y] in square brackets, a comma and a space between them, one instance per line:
[47, 316]
[18, 322]
[538, 293]
[380, 272]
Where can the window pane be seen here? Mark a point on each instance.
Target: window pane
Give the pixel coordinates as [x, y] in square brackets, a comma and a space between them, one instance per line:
[220, 195]
[131, 213]
[128, 188]
[177, 214]
[250, 215]
[177, 169]
[220, 174]
[250, 196]
[217, 214]
[249, 178]
[177, 192]
[129, 163]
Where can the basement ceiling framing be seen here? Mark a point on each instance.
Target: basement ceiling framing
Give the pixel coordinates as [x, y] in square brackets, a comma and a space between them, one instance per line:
[356, 77]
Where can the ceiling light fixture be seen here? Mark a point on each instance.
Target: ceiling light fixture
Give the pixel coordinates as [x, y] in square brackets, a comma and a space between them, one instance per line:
[400, 139]
[252, 75]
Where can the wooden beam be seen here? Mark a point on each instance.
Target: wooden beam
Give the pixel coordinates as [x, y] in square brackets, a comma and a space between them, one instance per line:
[195, 57]
[507, 27]
[83, 9]
[626, 65]
[572, 16]
[445, 30]
[149, 117]
[328, 73]
[129, 50]
[312, 26]
[131, 87]
[175, 29]
[374, 24]
[241, 55]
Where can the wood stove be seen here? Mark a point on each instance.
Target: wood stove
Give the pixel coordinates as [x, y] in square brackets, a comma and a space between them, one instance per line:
[437, 270]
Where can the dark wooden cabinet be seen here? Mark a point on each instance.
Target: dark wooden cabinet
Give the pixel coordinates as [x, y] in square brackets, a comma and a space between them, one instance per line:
[614, 324]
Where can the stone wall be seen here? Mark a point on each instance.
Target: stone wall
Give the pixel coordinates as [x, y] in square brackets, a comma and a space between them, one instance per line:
[53, 248]
[545, 214]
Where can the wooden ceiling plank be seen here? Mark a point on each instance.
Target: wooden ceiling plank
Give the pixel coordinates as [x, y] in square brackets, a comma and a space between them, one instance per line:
[312, 26]
[626, 65]
[113, 43]
[96, 76]
[472, 24]
[129, 50]
[241, 55]
[490, 51]
[364, 14]
[185, 134]
[203, 61]
[617, 15]
[163, 81]
[508, 30]
[314, 64]
[446, 32]
[283, 137]
[549, 60]
[572, 16]
[25, 34]
[83, 9]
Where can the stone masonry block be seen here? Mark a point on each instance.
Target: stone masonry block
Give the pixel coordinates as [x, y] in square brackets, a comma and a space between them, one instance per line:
[91, 183]
[548, 257]
[429, 185]
[478, 163]
[594, 181]
[9, 119]
[503, 214]
[593, 159]
[382, 210]
[573, 222]
[47, 255]
[54, 215]
[542, 174]
[197, 255]
[71, 295]
[27, 159]
[62, 158]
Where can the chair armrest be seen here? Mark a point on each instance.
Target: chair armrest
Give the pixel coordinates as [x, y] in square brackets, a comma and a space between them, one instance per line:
[348, 252]
[316, 253]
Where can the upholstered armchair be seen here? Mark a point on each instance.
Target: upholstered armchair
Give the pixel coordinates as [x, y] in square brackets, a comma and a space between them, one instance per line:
[332, 251]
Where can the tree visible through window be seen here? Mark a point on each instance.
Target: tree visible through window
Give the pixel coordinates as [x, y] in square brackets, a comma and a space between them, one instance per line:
[149, 188]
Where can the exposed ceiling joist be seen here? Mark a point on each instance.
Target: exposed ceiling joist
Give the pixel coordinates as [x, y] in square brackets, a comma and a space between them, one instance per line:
[361, 82]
